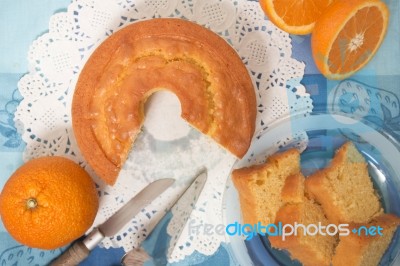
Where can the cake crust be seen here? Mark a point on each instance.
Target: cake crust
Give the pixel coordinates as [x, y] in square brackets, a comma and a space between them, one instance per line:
[205, 73]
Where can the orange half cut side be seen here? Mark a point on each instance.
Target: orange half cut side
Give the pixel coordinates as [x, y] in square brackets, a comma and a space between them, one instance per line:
[347, 37]
[294, 16]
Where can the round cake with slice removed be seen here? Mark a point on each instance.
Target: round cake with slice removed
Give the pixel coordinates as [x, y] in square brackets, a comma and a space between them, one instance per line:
[205, 73]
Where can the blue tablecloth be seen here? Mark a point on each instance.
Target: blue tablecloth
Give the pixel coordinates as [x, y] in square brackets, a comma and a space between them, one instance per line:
[21, 22]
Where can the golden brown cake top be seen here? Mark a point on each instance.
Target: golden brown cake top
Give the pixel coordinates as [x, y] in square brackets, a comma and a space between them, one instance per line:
[205, 73]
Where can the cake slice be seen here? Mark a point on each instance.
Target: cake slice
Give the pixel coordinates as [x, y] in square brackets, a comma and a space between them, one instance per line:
[260, 186]
[344, 188]
[362, 250]
[310, 250]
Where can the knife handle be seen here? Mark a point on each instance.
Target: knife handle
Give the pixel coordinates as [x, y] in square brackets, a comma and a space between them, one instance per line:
[72, 256]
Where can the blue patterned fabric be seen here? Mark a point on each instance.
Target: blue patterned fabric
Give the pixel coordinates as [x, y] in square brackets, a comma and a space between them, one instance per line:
[21, 22]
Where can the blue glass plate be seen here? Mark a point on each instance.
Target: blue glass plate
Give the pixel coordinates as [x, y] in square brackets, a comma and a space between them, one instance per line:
[325, 133]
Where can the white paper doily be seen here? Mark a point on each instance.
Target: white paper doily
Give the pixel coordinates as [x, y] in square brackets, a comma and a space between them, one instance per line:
[55, 59]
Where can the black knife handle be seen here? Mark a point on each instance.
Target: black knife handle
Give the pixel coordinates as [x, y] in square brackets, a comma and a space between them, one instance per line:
[72, 256]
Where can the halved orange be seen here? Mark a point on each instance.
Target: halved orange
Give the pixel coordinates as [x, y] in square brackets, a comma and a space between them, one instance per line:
[294, 16]
[347, 36]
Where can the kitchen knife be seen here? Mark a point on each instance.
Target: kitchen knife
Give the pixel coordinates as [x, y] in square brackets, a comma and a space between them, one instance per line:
[190, 196]
[81, 249]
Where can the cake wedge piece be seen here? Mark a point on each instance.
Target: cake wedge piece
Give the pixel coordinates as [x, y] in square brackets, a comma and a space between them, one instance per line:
[360, 249]
[298, 215]
[344, 188]
[260, 186]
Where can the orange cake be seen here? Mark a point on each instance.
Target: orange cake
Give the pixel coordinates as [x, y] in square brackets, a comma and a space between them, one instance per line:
[366, 250]
[310, 250]
[260, 186]
[277, 192]
[205, 73]
[344, 188]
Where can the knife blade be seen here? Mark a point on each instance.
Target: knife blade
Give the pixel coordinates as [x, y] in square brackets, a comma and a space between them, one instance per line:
[81, 249]
[191, 194]
[114, 224]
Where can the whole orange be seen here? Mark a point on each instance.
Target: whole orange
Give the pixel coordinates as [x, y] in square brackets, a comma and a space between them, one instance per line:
[48, 202]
